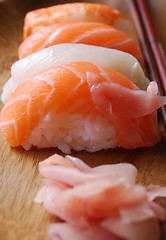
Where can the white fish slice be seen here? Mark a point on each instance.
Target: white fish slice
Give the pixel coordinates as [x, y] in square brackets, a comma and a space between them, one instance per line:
[62, 53]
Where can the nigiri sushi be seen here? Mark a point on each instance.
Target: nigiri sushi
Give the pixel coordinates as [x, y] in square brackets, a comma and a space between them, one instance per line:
[92, 33]
[73, 12]
[80, 106]
[105, 197]
[63, 53]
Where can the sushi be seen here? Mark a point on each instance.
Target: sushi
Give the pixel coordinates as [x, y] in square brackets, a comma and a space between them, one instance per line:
[103, 200]
[73, 12]
[63, 53]
[81, 106]
[92, 33]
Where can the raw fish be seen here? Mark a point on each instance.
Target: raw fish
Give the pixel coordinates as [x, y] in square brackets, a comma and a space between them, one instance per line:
[80, 106]
[63, 53]
[73, 12]
[92, 33]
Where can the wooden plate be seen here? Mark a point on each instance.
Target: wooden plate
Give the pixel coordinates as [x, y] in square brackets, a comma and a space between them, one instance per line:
[20, 218]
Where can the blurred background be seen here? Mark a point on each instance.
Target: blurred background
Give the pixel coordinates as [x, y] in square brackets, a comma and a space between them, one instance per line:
[12, 14]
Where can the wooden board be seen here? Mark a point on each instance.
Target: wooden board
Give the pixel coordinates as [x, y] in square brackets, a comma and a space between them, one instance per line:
[20, 218]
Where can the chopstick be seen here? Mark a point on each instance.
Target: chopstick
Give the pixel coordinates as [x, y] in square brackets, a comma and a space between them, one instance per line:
[153, 42]
[154, 57]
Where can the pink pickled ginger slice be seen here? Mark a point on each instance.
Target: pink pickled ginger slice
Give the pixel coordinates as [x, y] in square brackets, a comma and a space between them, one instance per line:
[103, 202]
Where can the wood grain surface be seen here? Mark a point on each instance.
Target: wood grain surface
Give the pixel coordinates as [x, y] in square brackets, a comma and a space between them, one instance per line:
[20, 217]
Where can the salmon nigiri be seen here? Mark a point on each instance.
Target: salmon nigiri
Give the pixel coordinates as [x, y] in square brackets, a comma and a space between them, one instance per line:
[79, 106]
[73, 12]
[91, 33]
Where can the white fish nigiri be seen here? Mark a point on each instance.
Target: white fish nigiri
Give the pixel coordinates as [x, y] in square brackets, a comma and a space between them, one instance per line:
[62, 53]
